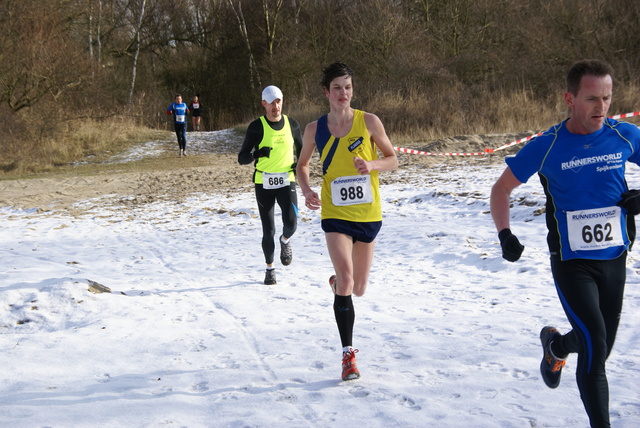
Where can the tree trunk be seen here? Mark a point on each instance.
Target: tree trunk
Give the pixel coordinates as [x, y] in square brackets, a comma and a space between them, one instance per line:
[136, 52]
[253, 69]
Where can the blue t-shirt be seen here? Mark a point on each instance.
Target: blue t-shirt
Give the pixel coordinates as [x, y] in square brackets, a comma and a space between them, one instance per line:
[583, 179]
[179, 112]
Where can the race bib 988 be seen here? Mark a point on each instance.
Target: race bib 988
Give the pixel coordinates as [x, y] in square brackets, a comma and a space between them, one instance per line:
[594, 229]
[351, 190]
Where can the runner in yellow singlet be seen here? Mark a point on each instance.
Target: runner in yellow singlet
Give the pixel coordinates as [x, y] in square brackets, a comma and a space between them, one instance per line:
[272, 143]
[348, 141]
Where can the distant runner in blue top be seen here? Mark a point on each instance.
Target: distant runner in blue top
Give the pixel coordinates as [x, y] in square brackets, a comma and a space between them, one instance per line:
[179, 111]
[589, 215]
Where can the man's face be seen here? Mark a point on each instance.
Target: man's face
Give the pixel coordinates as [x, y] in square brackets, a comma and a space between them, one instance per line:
[178, 99]
[590, 105]
[340, 91]
[273, 110]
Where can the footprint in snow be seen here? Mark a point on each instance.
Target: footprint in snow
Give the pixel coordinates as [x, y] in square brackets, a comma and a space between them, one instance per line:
[200, 386]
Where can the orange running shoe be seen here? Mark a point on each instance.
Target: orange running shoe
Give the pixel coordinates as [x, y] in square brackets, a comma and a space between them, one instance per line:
[349, 366]
[550, 366]
[332, 283]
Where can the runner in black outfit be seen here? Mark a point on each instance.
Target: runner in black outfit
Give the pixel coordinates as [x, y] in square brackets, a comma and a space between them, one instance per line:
[273, 141]
[195, 108]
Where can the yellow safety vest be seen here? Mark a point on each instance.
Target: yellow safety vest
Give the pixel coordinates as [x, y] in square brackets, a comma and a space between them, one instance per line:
[282, 155]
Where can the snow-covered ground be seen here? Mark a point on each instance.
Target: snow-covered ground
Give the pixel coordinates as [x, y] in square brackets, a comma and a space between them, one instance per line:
[190, 337]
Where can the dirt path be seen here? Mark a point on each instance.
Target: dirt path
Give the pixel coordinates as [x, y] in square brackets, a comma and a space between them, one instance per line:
[222, 174]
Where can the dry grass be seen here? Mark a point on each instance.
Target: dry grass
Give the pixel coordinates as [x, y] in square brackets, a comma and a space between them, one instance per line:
[415, 118]
[409, 118]
[73, 142]
[452, 111]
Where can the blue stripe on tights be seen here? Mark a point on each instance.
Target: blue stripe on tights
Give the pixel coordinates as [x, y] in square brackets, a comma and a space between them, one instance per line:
[581, 326]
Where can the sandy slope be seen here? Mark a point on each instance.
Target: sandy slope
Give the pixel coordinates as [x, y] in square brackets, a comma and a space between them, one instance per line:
[222, 174]
[123, 187]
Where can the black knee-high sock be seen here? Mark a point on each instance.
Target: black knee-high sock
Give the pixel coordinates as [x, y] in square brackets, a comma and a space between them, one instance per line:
[345, 318]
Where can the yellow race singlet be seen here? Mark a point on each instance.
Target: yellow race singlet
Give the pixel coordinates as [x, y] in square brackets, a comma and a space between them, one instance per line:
[347, 195]
[282, 155]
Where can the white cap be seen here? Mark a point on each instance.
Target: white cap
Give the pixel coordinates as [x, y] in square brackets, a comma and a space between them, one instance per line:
[271, 93]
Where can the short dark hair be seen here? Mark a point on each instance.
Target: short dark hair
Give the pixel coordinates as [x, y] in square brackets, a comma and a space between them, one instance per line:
[337, 69]
[588, 67]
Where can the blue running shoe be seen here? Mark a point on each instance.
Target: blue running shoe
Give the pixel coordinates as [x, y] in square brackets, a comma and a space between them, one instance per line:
[551, 366]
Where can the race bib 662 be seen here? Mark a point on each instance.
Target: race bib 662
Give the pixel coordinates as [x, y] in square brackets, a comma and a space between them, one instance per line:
[594, 229]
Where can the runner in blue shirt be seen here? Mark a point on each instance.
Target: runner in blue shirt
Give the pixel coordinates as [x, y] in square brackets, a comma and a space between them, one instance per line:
[589, 215]
[179, 111]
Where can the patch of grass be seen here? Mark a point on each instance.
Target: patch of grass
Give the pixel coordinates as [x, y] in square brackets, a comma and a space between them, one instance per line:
[79, 141]
[165, 162]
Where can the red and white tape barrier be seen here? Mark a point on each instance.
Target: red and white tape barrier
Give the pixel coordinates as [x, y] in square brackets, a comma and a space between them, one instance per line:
[418, 152]
[625, 115]
[486, 151]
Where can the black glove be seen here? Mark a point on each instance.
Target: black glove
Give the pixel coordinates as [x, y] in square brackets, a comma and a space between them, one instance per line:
[630, 201]
[263, 152]
[511, 248]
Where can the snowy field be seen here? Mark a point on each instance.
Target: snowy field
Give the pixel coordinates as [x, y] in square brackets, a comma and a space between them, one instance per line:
[190, 337]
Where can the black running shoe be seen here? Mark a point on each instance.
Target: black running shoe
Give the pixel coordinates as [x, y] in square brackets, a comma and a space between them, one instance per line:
[285, 253]
[270, 277]
[551, 366]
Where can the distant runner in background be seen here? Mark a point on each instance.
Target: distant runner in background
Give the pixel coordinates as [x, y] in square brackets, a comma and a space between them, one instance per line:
[273, 143]
[195, 113]
[348, 141]
[589, 214]
[179, 111]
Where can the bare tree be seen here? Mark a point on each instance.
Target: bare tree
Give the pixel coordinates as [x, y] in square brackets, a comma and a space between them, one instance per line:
[136, 51]
[254, 79]
[271, 21]
[37, 58]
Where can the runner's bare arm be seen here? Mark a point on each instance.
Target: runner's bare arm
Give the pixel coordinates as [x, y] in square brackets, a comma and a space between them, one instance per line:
[379, 137]
[302, 170]
[500, 198]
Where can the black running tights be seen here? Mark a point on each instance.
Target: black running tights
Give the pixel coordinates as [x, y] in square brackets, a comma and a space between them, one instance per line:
[288, 201]
[181, 133]
[591, 293]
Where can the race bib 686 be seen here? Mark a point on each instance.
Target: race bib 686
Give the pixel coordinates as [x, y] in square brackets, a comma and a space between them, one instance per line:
[275, 180]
